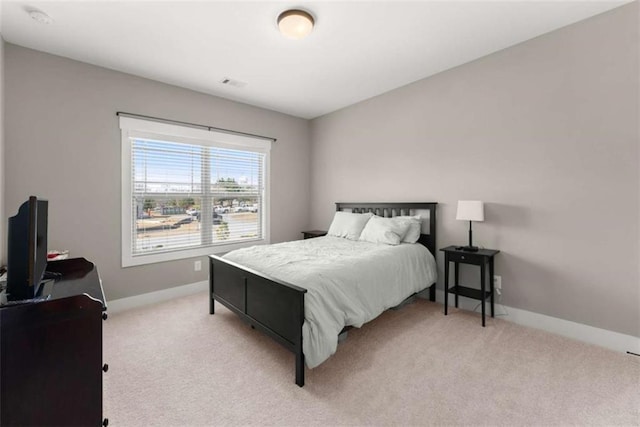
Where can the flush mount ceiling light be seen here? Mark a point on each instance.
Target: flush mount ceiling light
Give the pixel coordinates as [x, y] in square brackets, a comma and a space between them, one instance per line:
[295, 23]
[40, 17]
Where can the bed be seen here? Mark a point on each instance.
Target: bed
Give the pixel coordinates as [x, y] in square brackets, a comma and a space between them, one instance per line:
[304, 293]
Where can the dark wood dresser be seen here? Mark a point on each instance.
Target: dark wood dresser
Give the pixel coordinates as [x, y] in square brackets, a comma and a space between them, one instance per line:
[51, 351]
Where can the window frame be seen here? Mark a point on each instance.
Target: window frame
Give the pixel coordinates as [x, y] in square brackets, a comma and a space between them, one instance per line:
[140, 128]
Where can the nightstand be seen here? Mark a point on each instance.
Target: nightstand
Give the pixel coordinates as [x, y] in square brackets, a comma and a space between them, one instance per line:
[310, 234]
[482, 258]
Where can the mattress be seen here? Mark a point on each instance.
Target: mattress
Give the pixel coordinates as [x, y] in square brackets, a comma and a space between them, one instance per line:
[348, 282]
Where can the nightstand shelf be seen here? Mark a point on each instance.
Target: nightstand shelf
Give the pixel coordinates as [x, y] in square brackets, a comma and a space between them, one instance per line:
[464, 291]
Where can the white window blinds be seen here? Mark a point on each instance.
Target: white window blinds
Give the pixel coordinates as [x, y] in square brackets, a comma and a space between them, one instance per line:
[186, 196]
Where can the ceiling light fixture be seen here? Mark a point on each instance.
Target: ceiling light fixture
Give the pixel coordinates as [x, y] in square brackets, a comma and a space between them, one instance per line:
[295, 23]
[40, 17]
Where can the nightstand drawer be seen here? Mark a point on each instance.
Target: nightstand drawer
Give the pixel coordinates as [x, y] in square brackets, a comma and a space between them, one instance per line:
[466, 257]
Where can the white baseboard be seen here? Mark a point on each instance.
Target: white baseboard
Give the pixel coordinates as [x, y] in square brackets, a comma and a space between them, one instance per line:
[128, 303]
[566, 328]
[592, 335]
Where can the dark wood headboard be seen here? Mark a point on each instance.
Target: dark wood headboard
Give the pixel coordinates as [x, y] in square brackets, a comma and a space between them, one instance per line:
[391, 209]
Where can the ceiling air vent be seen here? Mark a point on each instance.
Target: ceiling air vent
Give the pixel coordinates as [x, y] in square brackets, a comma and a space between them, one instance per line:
[231, 82]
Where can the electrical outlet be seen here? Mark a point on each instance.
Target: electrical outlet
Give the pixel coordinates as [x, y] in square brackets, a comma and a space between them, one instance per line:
[497, 284]
[197, 265]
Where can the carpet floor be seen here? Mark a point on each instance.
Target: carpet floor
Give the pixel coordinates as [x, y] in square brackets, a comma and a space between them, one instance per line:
[172, 364]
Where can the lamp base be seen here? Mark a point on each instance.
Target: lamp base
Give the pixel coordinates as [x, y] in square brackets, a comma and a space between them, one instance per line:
[467, 248]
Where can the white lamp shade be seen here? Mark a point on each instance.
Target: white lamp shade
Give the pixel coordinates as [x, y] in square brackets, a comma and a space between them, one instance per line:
[470, 210]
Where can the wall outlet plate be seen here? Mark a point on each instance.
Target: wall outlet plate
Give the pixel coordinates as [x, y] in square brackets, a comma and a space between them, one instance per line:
[197, 265]
[497, 282]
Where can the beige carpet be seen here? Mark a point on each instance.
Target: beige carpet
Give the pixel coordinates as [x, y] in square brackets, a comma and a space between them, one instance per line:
[173, 364]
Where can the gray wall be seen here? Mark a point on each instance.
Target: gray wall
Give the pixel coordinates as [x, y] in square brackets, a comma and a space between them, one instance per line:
[546, 133]
[62, 143]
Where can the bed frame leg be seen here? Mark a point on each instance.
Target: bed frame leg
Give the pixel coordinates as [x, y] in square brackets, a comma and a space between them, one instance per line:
[432, 293]
[300, 368]
[212, 309]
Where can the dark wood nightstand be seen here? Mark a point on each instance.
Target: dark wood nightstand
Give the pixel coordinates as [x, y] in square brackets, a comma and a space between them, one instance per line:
[481, 258]
[310, 234]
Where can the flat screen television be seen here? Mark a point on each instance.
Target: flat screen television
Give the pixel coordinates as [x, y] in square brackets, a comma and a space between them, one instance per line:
[27, 249]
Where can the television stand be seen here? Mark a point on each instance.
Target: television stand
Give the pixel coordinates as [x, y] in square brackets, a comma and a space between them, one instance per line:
[51, 351]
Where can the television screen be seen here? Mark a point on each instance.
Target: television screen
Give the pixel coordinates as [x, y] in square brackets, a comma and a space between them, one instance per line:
[27, 249]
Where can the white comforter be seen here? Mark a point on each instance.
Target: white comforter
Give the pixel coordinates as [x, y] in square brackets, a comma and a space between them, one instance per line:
[348, 282]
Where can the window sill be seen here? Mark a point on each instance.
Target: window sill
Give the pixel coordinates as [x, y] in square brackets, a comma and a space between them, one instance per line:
[132, 261]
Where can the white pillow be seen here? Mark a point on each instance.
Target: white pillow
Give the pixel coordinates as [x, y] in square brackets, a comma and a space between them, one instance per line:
[348, 225]
[415, 227]
[384, 230]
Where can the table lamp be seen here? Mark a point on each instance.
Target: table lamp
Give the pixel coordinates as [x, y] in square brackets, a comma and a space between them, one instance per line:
[470, 210]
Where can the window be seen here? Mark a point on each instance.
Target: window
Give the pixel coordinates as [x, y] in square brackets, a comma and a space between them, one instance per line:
[190, 191]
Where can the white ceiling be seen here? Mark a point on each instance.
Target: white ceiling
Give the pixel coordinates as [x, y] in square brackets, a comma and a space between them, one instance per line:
[358, 49]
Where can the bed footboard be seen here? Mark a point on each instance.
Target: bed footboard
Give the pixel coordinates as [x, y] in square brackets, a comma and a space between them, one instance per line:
[269, 305]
